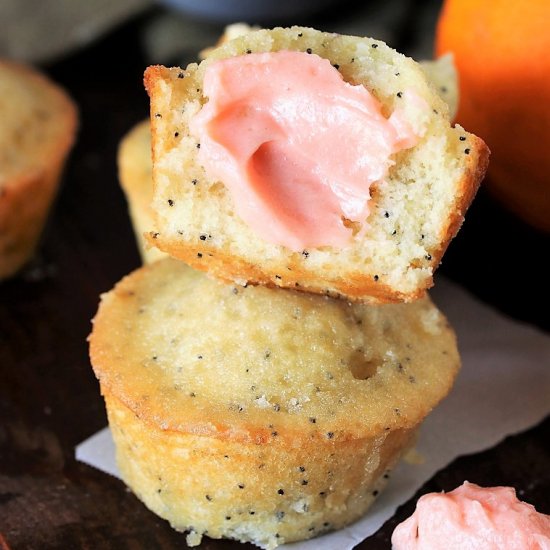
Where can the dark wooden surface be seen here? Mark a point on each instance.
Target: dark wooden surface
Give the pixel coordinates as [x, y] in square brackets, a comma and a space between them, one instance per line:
[49, 398]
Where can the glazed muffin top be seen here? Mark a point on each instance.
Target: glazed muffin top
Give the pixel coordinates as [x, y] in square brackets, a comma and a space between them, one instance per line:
[194, 355]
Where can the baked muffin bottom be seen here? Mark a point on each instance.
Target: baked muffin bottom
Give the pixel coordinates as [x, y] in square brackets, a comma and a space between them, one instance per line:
[267, 494]
[278, 410]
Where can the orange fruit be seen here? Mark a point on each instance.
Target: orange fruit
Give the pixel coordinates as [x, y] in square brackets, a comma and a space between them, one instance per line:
[502, 53]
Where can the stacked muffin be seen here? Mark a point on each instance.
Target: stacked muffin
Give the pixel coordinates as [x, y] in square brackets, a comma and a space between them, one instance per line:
[270, 414]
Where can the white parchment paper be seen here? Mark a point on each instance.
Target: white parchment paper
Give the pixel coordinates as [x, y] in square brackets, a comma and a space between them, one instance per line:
[503, 388]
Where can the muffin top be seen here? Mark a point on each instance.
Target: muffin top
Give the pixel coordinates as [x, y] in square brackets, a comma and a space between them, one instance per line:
[194, 355]
[37, 122]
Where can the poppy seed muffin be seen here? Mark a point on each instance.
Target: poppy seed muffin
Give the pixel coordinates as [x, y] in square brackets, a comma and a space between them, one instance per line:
[136, 180]
[262, 415]
[414, 211]
[38, 123]
[134, 153]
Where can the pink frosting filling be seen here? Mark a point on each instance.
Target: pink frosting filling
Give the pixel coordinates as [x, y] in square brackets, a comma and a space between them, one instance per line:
[297, 147]
[473, 518]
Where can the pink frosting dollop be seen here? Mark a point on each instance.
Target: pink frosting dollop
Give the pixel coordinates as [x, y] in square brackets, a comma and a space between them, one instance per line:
[473, 518]
[297, 146]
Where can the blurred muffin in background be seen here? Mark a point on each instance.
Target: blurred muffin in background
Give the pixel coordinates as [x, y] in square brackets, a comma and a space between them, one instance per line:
[134, 172]
[37, 129]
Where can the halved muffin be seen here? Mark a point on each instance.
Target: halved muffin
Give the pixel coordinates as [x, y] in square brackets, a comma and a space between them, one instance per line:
[413, 211]
[136, 180]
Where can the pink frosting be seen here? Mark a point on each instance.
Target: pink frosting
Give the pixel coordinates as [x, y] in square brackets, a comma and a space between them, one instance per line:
[297, 147]
[473, 518]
